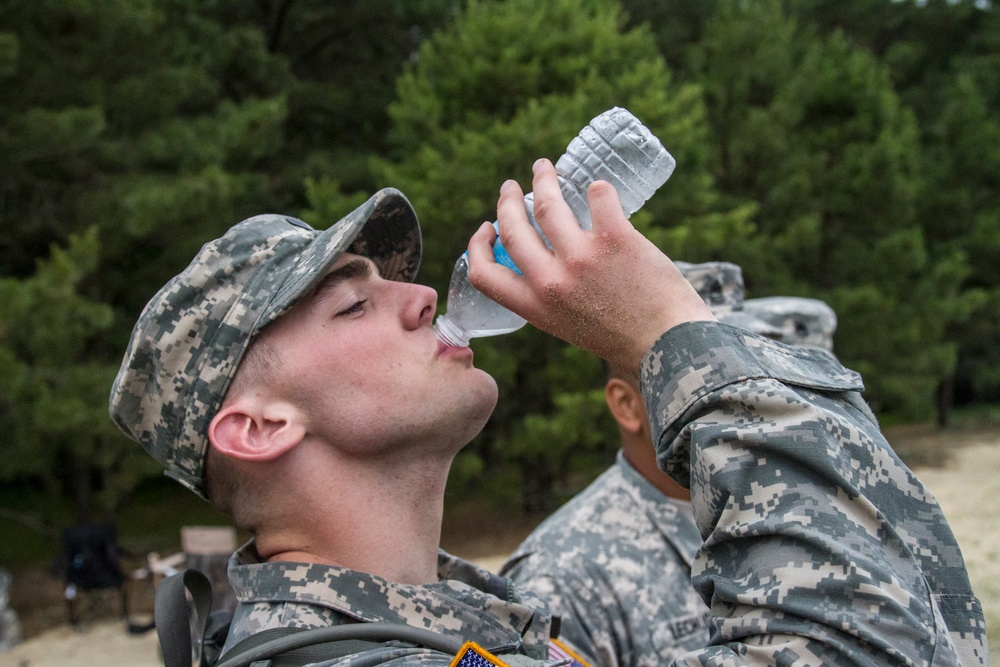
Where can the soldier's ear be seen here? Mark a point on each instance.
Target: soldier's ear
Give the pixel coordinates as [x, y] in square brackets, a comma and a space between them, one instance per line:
[252, 429]
[626, 405]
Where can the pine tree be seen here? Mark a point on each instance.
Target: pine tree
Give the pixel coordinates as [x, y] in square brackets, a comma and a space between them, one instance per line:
[810, 127]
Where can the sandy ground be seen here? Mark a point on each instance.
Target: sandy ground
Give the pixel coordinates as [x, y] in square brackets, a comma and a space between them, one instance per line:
[967, 489]
[99, 645]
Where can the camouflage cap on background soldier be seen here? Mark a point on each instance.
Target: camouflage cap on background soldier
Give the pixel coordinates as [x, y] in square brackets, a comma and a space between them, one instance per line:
[803, 322]
[720, 285]
[192, 334]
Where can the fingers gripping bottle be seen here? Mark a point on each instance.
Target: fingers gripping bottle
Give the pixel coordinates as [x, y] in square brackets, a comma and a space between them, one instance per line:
[614, 147]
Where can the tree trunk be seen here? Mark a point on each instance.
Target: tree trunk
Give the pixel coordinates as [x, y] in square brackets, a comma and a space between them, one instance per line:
[944, 398]
[83, 497]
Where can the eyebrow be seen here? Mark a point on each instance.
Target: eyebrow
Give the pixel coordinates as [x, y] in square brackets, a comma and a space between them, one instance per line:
[356, 268]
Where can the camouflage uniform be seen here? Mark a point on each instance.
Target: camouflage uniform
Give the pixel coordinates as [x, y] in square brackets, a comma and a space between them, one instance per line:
[819, 544]
[615, 564]
[468, 603]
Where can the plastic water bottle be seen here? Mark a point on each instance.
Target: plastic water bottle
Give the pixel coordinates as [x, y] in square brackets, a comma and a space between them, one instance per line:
[614, 147]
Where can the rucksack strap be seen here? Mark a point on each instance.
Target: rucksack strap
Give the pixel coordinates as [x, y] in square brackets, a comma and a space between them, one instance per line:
[250, 651]
[171, 616]
[276, 647]
[281, 647]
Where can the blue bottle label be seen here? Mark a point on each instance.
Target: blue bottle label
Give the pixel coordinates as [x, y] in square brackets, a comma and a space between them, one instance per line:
[500, 253]
[501, 256]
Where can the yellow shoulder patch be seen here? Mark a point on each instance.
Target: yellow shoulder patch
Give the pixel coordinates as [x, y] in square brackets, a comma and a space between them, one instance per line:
[473, 655]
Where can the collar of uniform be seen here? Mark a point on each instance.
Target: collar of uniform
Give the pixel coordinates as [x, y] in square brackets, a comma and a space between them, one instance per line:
[462, 604]
[671, 517]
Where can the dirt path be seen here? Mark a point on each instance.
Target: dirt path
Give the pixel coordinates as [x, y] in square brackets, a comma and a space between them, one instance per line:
[967, 489]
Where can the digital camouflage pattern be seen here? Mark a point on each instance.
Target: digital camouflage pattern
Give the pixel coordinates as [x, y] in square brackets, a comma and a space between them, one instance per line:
[720, 285]
[468, 604]
[802, 321]
[821, 546]
[614, 564]
[193, 333]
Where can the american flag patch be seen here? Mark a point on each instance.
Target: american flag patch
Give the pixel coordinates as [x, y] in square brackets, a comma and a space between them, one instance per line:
[473, 655]
[560, 651]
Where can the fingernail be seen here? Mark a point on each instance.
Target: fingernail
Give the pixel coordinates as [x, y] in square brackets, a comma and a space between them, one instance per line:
[540, 162]
[507, 185]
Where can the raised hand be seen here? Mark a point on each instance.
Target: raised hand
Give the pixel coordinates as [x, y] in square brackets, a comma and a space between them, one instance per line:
[608, 290]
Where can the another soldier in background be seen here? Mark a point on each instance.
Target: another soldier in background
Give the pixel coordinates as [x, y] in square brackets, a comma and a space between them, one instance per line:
[794, 320]
[720, 285]
[799, 321]
[614, 563]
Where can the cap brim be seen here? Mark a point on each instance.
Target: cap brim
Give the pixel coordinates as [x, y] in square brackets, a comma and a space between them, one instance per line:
[384, 229]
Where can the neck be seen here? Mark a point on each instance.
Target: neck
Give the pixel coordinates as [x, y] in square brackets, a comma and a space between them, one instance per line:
[379, 516]
[640, 454]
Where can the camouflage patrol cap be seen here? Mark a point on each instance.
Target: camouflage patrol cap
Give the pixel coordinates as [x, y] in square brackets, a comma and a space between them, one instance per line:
[720, 285]
[803, 322]
[190, 338]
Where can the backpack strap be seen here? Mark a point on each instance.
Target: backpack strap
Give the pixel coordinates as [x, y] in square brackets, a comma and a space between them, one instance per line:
[258, 650]
[281, 647]
[171, 616]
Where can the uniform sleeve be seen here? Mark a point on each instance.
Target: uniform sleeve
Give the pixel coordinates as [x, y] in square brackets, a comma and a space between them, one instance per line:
[820, 545]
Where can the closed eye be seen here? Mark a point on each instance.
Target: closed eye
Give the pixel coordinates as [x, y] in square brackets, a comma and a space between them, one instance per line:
[356, 307]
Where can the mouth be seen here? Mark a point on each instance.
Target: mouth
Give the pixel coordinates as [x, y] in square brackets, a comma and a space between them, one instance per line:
[453, 351]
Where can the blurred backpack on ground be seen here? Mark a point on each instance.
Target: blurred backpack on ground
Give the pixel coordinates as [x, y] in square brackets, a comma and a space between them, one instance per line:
[90, 562]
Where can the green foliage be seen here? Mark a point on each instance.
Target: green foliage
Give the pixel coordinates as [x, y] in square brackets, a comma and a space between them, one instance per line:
[505, 84]
[523, 90]
[8, 53]
[53, 397]
[578, 434]
[845, 151]
[834, 161]
[943, 60]
[149, 127]
[962, 215]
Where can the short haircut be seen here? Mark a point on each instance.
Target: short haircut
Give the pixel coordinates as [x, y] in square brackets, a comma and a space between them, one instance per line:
[611, 371]
[226, 485]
